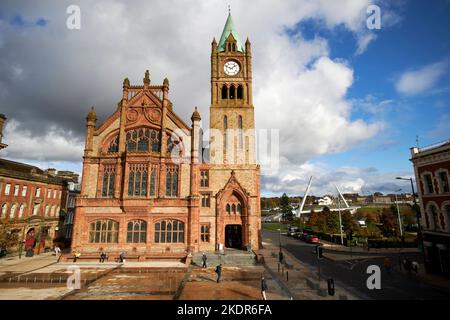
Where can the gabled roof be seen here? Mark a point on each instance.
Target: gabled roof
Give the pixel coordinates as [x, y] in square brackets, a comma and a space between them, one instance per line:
[230, 28]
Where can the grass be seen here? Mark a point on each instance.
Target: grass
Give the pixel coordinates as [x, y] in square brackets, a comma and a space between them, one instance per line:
[273, 226]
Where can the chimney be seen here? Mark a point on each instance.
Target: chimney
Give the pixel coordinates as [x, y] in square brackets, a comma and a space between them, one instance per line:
[51, 171]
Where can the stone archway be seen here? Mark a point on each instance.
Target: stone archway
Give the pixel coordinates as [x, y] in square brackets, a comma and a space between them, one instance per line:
[232, 221]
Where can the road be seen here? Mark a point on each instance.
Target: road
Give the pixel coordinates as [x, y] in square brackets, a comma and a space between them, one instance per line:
[351, 274]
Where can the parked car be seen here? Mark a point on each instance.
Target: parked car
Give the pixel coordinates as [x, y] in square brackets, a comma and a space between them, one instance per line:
[312, 239]
[292, 231]
[297, 235]
[303, 236]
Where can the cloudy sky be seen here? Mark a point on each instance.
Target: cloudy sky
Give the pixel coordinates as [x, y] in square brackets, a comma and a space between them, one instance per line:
[348, 101]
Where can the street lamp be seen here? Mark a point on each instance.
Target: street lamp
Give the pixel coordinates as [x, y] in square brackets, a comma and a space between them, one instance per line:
[398, 214]
[419, 229]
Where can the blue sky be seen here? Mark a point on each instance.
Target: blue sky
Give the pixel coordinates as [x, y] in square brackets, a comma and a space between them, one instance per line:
[420, 38]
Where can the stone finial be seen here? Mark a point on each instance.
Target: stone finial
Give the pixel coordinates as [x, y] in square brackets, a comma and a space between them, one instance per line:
[196, 115]
[92, 116]
[126, 83]
[166, 82]
[147, 77]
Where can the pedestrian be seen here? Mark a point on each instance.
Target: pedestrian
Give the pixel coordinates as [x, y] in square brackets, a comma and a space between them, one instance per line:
[122, 257]
[280, 256]
[102, 257]
[76, 255]
[219, 272]
[263, 287]
[58, 252]
[415, 267]
[407, 265]
[204, 258]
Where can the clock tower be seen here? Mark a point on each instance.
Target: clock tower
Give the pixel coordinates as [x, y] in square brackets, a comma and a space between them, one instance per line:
[232, 114]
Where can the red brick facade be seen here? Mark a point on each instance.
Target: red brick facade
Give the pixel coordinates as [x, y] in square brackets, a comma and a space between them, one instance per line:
[142, 184]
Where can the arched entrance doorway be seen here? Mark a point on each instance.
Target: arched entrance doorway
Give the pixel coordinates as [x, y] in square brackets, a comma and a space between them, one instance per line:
[233, 236]
[30, 242]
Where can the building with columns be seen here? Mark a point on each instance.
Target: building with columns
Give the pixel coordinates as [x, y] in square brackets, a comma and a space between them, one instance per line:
[149, 185]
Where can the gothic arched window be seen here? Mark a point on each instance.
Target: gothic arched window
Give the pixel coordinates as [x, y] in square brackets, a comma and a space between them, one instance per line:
[103, 231]
[137, 180]
[13, 211]
[137, 231]
[109, 175]
[241, 134]
[240, 92]
[21, 209]
[140, 140]
[171, 181]
[153, 182]
[227, 208]
[4, 209]
[239, 208]
[233, 208]
[173, 145]
[224, 92]
[114, 145]
[225, 127]
[232, 92]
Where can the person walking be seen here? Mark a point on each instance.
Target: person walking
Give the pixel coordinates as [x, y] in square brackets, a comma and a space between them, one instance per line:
[280, 256]
[263, 287]
[102, 257]
[219, 272]
[122, 257]
[57, 253]
[204, 258]
[76, 255]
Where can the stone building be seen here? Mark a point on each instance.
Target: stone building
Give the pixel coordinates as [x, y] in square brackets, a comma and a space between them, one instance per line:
[150, 186]
[432, 172]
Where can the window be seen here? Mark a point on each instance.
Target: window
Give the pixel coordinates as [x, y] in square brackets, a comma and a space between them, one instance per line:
[241, 134]
[54, 194]
[447, 214]
[443, 182]
[13, 211]
[137, 180]
[204, 232]
[169, 231]
[225, 127]
[7, 188]
[114, 145]
[232, 92]
[21, 209]
[47, 210]
[239, 208]
[4, 210]
[172, 181]
[428, 183]
[38, 192]
[434, 216]
[143, 140]
[24, 191]
[173, 145]
[49, 193]
[204, 178]
[233, 208]
[60, 193]
[137, 231]
[206, 200]
[16, 190]
[228, 208]
[224, 92]
[36, 209]
[240, 92]
[103, 231]
[109, 176]
[153, 182]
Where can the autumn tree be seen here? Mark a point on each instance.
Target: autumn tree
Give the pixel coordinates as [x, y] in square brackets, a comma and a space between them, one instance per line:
[388, 221]
[8, 238]
[286, 208]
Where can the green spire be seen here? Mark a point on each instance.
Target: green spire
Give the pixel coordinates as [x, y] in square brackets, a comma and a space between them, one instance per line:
[230, 28]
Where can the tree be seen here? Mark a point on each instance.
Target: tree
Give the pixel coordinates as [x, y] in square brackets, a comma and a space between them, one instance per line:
[286, 208]
[8, 237]
[313, 218]
[388, 221]
[333, 222]
[348, 223]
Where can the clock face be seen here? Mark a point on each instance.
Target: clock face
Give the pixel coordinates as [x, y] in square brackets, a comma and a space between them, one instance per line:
[231, 68]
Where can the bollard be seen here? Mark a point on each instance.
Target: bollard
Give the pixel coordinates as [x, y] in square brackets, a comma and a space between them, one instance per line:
[59, 279]
[287, 275]
[9, 280]
[26, 280]
[34, 279]
[278, 267]
[282, 270]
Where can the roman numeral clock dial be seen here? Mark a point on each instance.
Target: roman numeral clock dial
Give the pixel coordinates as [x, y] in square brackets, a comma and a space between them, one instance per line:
[231, 68]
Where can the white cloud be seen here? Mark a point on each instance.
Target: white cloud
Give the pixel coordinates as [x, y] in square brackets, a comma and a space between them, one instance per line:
[363, 42]
[422, 79]
[297, 87]
[55, 145]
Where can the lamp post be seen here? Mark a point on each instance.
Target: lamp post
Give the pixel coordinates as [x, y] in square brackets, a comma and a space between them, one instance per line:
[398, 214]
[419, 229]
